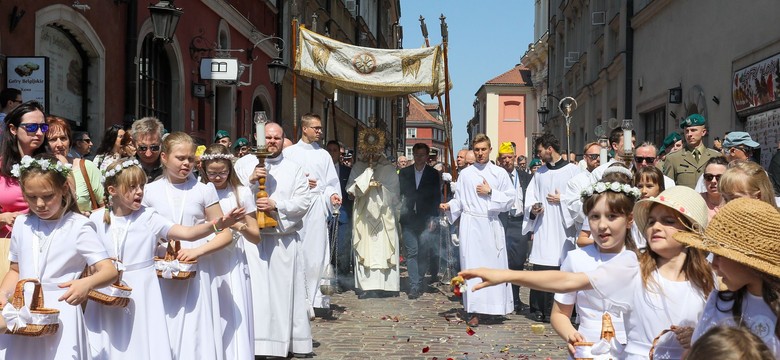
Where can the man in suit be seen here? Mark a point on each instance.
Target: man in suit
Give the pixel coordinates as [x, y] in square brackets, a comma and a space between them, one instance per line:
[344, 239]
[687, 165]
[512, 220]
[420, 198]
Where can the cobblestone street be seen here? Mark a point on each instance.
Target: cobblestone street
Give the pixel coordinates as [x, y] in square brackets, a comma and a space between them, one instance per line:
[430, 327]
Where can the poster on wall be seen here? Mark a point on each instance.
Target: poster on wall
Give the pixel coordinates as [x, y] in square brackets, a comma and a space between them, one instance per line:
[30, 75]
[757, 84]
[764, 128]
[66, 71]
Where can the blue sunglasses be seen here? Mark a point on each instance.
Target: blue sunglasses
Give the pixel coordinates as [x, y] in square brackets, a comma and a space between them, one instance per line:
[33, 128]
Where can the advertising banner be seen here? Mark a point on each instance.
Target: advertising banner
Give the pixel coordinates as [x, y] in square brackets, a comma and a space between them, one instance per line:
[30, 75]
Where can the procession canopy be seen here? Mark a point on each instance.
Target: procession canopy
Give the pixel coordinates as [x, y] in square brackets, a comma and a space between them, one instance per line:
[376, 72]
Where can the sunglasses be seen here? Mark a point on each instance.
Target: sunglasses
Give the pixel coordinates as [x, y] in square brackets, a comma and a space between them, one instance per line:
[33, 128]
[592, 156]
[641, 159]
[85, 140]
[709, 177]
[153, 148]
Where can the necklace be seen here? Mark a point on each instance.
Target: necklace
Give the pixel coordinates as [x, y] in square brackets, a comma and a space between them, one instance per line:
[41, 244]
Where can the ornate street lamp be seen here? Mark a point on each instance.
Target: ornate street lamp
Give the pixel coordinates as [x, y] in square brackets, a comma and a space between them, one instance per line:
[165, 17]
[277, 69]
[542, 112]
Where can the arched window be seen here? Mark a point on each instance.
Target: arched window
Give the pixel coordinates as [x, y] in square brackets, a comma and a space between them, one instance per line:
[154, 83]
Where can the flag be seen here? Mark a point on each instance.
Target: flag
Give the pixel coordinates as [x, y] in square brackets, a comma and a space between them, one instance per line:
[377, 72]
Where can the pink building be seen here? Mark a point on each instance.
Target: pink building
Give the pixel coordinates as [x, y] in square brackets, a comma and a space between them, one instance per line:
[500, 110]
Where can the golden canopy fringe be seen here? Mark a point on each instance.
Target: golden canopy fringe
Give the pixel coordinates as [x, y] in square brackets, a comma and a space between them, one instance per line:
[376, 72]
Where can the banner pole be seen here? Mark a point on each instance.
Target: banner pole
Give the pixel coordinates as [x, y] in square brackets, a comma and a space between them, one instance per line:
[294, 135]
[448, 121]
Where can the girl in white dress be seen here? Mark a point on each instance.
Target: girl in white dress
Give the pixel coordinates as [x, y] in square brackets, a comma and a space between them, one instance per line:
[650, 182]
[665, 289]
[193, 325]
[130, 231]
[53, 243]
[233, 284]
[743, 236]
[611, 211]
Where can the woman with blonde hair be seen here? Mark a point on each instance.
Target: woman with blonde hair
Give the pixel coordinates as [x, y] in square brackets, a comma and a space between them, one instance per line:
[745, 178]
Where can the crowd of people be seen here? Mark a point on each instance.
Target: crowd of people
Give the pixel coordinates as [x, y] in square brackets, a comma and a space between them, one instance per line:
[221, 256]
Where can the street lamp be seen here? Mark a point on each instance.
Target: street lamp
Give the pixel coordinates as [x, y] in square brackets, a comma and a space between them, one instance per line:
[165, 17]
[542, 112]
[277, 69]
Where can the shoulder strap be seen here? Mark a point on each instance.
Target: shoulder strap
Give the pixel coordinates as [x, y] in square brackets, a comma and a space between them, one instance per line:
[92, 197]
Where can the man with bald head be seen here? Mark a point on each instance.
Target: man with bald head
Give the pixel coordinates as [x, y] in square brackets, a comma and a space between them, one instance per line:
[471, 158]
[275, 266]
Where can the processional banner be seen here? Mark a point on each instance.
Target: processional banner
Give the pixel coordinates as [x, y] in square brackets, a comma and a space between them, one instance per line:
[377, 72]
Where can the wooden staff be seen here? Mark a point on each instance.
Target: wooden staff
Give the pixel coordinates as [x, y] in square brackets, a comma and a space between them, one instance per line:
[447, 117]
[294, 79]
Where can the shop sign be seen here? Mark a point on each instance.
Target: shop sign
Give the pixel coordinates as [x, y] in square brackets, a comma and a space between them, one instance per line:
[219, 69]
[757, 84]
[30, 75]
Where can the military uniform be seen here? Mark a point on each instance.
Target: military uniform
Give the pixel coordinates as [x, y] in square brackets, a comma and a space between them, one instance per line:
[682, 165]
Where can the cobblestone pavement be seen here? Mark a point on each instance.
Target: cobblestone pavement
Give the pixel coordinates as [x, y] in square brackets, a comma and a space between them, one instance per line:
[426, 328]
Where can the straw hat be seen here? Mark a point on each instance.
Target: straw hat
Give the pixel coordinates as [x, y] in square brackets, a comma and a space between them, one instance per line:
[745, 231]
[682, 199]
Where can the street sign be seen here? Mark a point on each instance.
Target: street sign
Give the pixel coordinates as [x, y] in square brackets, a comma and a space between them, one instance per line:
[219, 69]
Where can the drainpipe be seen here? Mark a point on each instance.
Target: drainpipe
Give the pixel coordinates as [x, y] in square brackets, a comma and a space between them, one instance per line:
[131, 40]
[628, 113]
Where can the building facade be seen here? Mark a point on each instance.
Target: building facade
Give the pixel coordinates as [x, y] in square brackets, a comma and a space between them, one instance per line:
[424, 125]
[501, 109]
[657, 61]
[103, 66]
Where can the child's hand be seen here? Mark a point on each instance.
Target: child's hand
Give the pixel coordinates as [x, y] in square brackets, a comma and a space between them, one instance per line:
[189, 254]
[489, 277]
[684, 335]
[574, 337]
[232, 217]
[77, 291]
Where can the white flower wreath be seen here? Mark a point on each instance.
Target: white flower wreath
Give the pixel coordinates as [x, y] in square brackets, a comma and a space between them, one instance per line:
[207, 157]
[118, 168]
[28, 162]
[601, 187]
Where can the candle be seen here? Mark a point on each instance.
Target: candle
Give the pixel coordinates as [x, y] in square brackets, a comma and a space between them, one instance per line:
[603, 155]
[627, 141]
[260, 121]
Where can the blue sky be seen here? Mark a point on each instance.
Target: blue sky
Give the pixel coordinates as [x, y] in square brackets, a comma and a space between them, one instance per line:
[486, 39]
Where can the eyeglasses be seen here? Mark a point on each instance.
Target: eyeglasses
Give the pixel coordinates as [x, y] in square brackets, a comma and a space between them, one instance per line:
[33, 128]
[592, 156]
[221, 175]
[709, 177]
[641, 159]
[316, 128]
[153, 148]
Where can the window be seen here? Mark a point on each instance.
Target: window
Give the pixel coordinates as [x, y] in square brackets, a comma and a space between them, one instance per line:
[154, 83]
[409, 153]
[511, 111]
[411, 132]
[655, 126]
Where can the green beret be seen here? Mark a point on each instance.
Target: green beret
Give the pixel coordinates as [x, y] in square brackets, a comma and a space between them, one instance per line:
[535, 162]
[693, 120]
[221, 134]
[240, 142]
[670, 139]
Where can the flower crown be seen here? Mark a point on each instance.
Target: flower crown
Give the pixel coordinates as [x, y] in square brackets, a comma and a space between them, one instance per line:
[207, 157]
[601, 187]
[114, 171]
[29, 162]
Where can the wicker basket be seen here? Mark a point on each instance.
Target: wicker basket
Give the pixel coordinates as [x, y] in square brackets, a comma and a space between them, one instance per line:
[655, 342]
[44, 321]
[116, 294]
[170, 268]
[607, 333]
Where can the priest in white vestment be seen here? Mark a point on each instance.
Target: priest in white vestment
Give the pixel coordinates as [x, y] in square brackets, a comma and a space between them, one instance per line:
[324, 182]
[548, 218]
[374, 184]
[482, 192]
[281, 319]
